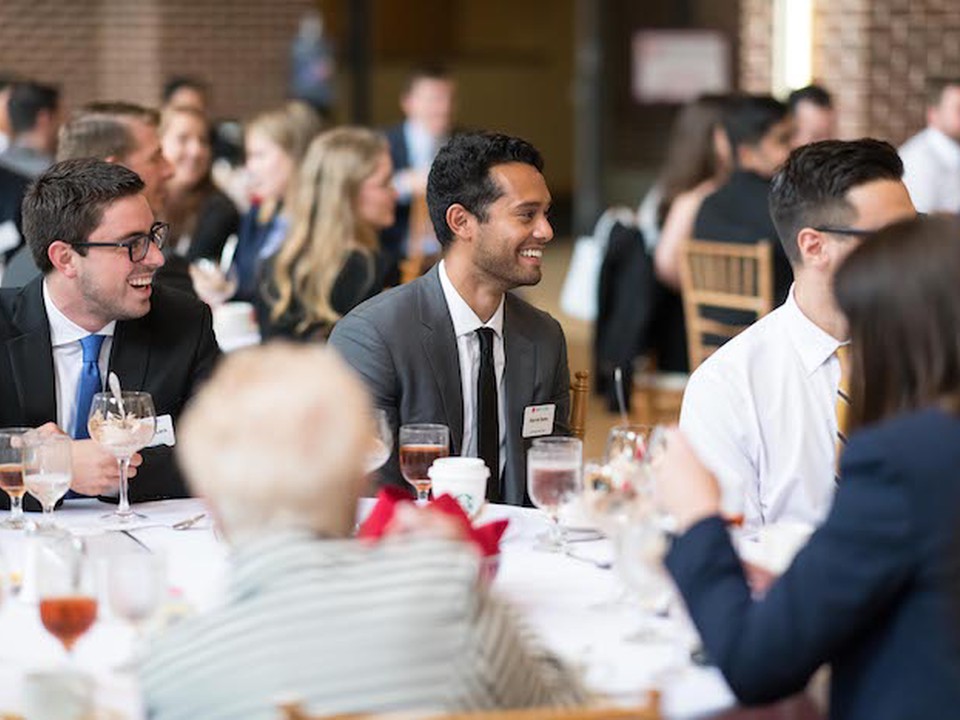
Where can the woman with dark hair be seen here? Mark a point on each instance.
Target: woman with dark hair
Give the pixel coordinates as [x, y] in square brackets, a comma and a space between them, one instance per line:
[876, 590]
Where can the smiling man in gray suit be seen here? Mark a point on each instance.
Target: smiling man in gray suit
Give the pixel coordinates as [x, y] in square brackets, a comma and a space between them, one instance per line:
[454, 346]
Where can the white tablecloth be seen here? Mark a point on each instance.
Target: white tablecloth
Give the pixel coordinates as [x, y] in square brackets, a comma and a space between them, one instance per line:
[564, 599]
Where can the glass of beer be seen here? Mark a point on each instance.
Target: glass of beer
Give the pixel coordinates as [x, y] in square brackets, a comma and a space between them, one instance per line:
[554, 478]
[66, 587]
[420, 445]
[11, 474]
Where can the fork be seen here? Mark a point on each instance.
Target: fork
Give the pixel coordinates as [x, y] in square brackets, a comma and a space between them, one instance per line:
[189, 522]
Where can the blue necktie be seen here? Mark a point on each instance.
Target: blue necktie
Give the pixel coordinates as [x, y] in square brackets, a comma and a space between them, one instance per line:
[89, 384]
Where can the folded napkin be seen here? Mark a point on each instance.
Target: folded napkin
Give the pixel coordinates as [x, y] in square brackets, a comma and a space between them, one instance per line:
[485, 537]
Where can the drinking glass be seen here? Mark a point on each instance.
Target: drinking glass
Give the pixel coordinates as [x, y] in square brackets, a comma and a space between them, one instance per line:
[136, 583]
[627, 442]
[47, 469]
[211, 283]
[122, 426]
[554, 466]
[66, 586]
[639, 547]
[381, 444]
[420, 445]
[11, 474]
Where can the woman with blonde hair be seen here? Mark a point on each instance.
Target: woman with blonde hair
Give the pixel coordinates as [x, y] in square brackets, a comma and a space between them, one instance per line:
[275, 143]
[329, 262]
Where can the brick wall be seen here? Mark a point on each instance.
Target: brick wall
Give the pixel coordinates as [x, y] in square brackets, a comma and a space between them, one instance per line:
[875, 55]
[125, 49]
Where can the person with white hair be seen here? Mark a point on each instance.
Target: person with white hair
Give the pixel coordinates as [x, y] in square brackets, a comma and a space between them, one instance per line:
[275, 442]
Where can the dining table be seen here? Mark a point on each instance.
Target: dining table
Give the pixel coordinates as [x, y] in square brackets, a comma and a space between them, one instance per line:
[574, 600]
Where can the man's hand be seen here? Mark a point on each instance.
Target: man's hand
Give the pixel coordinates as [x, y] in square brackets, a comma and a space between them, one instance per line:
[95, 471]
[684, 487]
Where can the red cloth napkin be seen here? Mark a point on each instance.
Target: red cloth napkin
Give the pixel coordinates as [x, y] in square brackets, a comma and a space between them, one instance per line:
[486, 537]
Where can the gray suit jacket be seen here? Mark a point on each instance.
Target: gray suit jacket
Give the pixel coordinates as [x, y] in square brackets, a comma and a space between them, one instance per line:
[402, 344]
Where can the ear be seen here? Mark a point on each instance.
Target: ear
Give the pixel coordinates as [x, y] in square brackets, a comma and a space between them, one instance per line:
[63, 257]
[462, 222]
[812, 247]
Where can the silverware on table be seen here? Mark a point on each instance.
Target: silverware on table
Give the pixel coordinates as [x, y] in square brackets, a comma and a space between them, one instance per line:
[189, 522]
[599, 564]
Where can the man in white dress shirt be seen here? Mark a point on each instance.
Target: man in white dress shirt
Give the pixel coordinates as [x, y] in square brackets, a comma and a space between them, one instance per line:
[761, 411]
[931, 158]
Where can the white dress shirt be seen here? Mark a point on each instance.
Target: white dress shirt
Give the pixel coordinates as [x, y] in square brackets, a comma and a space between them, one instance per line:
[761, 414]
[931, 171]
[465, 325]
[65, 336]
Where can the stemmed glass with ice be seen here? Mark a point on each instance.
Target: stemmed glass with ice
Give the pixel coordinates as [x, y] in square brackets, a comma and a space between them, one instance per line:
[123, 423]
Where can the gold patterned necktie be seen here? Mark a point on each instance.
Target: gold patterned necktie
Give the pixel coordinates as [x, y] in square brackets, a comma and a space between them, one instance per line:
[843, 404]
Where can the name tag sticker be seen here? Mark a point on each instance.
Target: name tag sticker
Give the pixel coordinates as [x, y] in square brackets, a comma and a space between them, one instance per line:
[538, 420]
[164, 434]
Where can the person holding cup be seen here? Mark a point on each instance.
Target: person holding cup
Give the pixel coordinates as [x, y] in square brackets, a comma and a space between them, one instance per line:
[876, 589]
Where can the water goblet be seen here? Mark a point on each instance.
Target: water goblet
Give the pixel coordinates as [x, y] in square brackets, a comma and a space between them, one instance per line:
[381, 443]
[420, 445]
[136, 583]
[11, 474]
[554, 466]
[122, 426]
[47, 469]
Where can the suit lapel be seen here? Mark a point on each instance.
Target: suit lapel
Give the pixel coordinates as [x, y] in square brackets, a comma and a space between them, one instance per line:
[130, 353]
[520, 357]
[440, 347]
[31, 358]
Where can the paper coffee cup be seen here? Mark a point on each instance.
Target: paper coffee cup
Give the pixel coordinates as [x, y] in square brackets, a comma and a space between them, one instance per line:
[462, 478]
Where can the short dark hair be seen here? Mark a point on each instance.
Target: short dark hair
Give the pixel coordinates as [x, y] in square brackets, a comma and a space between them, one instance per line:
[431, 70]
[747, 118]
[67, 202]
[815, 94]
[811, 187]
[27, 100]
[461, 174]
[182, 81]
[102, 130]
[935, 87]
[900, 295]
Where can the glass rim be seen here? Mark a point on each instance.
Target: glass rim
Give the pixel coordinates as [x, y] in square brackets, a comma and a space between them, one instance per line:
[123, 393]
[424, 427]
[556, 441]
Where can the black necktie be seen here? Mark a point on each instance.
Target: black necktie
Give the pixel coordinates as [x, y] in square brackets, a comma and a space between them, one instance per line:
[488, 426]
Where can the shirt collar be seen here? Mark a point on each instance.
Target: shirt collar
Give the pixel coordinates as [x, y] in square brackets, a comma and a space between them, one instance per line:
[423, 146]
[946, 147]
[63, 330]
[813, 344]
[465, 320]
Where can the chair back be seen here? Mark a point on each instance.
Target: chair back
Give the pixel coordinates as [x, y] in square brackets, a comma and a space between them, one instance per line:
[291, 711]
[725, 276]
[579, 396]
[416, 261]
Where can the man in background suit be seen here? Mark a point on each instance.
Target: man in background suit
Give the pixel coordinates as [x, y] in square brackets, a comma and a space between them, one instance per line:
[427, 104]
[454, 346]
[94, 311]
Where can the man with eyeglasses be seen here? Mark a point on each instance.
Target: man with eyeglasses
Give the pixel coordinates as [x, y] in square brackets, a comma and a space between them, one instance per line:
[765, 412]
[93, 311]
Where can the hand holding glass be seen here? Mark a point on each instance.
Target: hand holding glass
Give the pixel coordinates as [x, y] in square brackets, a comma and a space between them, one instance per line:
[122, 427]
[420, 445]
[47, 469]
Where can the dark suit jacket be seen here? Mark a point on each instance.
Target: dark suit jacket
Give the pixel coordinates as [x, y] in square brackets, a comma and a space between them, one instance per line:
[392, 239]
[167, 353]
[13, 186]
[875, 592]
[402, 344]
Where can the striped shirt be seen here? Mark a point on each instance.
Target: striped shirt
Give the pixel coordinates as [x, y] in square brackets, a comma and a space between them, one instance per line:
[340, 627]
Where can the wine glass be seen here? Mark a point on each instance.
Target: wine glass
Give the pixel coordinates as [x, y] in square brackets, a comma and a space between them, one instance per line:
[627, 442]
[66, 586]
[639, 547]
[420, 445]
[11, 474]
[136, 583]
[554, 466]
[381, 444]
[122, 426]
[47, 469]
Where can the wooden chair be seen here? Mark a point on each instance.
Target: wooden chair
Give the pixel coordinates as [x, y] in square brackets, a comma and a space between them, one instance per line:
[417, 261]
[656, 396]
[731, 276]
[579, 396]
[291, 711]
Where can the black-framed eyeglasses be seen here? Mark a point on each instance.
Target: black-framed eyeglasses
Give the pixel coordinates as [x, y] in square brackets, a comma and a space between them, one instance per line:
[843, 231]
[137, 245]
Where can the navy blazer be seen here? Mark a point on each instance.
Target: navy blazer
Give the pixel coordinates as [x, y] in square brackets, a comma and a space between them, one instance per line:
[875, 592]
